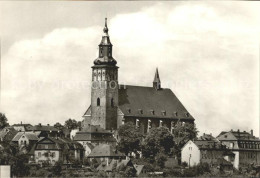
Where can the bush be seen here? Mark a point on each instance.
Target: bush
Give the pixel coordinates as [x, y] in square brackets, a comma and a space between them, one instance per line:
[57, 168]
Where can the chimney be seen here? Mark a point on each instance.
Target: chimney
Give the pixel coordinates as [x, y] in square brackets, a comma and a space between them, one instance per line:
[252, 132]
[231, 130]
[238, 130]
[40, 124]
[204, 134]
[48, 124]
[210, 134]
[21, 122]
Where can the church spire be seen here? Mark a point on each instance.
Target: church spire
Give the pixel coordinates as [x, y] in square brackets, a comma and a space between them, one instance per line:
[157, 81]
[105, 49]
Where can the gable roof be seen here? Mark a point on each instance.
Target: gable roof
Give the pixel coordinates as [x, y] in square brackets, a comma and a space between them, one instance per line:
[7, 133]
[29, 135]
[105, 150]
[138, 168]
[237, 135]
[136, 98]
[104, 167]
[46, 128]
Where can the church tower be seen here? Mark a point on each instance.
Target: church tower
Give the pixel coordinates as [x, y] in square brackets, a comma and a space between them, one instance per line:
[104, 90]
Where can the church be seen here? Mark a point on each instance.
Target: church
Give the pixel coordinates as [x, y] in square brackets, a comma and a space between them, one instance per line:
[113, 105]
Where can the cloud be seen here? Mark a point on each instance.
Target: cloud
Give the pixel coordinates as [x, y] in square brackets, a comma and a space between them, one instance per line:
[207, 57]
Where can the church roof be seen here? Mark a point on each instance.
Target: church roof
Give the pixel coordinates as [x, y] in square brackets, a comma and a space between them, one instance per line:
[142, 101]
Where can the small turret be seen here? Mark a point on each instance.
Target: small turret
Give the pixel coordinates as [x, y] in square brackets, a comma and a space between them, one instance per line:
[157, 81]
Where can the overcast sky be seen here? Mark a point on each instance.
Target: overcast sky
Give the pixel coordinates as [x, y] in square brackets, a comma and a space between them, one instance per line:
[206, 52]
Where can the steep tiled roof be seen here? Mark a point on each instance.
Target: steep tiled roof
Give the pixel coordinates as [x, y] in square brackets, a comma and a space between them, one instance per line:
[7, 133]
[207, 141]
[29, 135]
[237, 135]
[61, 143]
[43, 128]
[141, 101]
[105, 150]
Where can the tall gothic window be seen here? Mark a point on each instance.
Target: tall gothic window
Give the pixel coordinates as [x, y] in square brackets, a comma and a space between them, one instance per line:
[98, 101]
[112, 102]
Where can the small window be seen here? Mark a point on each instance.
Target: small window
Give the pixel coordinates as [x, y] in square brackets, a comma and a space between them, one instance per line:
[164, 113]
[187, 114]
[137, 123]
[161, 122]
[98, 101]
[46, 146]
[39, 154]
[176, 113]
[129, 110]
[140, 111]
[112, 102]
[152, 112]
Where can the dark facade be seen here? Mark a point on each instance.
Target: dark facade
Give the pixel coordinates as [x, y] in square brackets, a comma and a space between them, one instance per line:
[112, 105]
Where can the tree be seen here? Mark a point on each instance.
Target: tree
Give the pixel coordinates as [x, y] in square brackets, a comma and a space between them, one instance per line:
[57, 168]
[182, 134]
[9, 155]
[129, 138]
[3, 121]
[71, 124]
[158, 140]
[58, 126]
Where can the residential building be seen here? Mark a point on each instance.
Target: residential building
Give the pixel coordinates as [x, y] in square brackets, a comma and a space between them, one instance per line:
[95, 135]
[21, 127]
[45, 131]
[206, 149]
[7, 134]
[105, 152]
[25, 138]
[244, 145]
[115, 164]
[51, 150]
[112, 104]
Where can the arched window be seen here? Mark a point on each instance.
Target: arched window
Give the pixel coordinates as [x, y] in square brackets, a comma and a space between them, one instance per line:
[112, 102]
[98, 101]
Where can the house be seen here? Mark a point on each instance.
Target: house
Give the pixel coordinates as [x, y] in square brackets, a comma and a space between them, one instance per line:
[206, 149]
[25, 138]
[244, 145]
[114, 164]
[45, 130]
[112, 104]
[105, 152]
[95, 135]
[21, 127]
[51, 150]
[7, 134]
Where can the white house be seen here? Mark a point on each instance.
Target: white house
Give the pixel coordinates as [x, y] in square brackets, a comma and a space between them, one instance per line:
[190, 153]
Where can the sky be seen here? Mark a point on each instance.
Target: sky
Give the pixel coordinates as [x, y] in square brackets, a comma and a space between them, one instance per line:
[207, 53]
